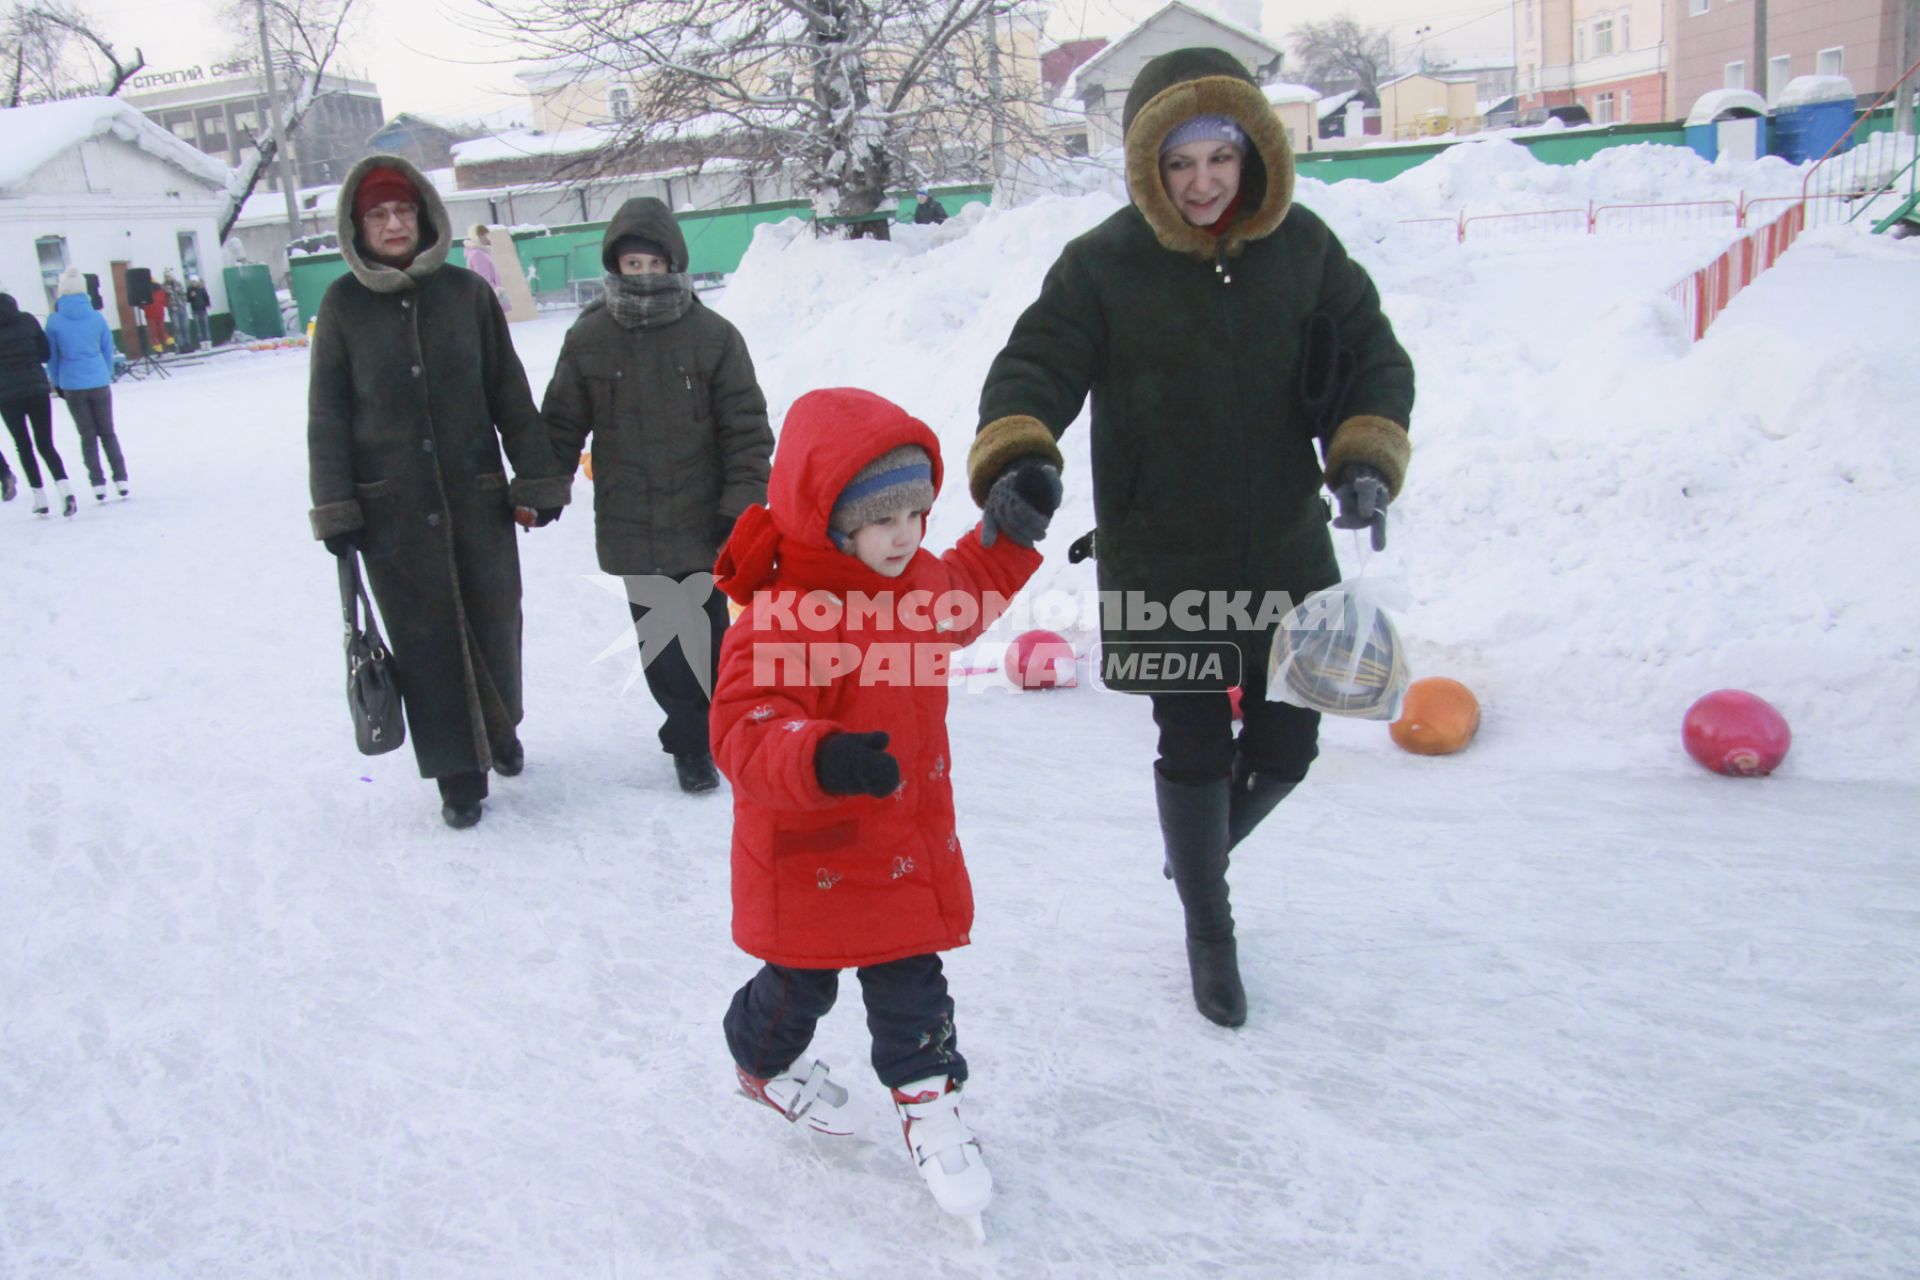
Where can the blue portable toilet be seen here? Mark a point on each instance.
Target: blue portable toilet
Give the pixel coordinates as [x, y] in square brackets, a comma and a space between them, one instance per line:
[1814, 113]
[1730, 123]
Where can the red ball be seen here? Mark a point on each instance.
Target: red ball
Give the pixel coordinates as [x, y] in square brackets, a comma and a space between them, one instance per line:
[1233, 699]
[1733, 732]
[1040, 660]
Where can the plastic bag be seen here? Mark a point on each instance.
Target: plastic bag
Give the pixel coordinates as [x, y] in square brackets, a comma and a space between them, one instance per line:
[1337, 652]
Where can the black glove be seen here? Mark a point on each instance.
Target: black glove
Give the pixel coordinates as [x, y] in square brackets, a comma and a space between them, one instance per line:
[1021, 502]
[856, 764]
[1362, 495]
[341, 543]
[546, 516]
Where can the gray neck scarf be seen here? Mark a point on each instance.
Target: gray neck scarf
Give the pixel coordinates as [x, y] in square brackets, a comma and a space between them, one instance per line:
[648, 302]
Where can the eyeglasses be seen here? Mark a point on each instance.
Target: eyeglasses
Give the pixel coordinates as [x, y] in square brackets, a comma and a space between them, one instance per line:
[381, 214]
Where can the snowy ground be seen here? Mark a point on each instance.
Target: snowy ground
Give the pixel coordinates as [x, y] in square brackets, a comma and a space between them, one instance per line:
[1563, 1005]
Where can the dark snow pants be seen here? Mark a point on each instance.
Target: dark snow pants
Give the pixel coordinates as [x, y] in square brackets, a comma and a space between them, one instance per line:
[92, 411]
[909, 1014]
[1197, 742]
[37, 410]
[671, 678]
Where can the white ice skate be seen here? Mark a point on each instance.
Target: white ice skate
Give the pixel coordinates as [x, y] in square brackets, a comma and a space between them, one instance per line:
[804, 1095]
[944, 1149]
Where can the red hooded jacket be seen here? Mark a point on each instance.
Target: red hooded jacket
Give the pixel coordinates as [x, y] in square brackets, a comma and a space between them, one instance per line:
[827, 645]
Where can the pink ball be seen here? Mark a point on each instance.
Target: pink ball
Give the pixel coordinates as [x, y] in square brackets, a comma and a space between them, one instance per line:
[1733, 732]
[1233, 698]
[1040, 660]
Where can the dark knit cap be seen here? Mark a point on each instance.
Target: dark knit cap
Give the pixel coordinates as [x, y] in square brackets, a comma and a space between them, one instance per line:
[898, 480]
[640, 244]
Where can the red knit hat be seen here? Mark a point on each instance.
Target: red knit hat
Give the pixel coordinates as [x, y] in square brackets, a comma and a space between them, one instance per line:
[381, 185]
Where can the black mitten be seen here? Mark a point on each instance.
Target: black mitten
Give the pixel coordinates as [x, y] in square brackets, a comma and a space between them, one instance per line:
[546, 516]
[1021, 501]
[856, 764]
[341, 543]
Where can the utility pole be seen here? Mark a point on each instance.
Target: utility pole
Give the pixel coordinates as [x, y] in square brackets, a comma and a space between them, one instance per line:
[999, 143]
[1758, 81]
[279, 134]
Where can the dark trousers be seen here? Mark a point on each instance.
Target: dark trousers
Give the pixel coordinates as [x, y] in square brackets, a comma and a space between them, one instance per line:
[1197, 742]
[37, 410]
[92, 411]
[909, 1013]
[675, 686]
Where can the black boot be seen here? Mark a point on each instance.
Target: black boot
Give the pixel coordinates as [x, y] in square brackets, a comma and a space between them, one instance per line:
[509, 759]
[1254, 796]
[1193, 820]
[696, 772]
[460, 797]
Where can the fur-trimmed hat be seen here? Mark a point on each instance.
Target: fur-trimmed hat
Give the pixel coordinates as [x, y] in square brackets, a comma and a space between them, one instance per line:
[898, 480]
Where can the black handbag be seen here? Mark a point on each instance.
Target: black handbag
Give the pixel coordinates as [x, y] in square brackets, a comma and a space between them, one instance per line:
[373, 695]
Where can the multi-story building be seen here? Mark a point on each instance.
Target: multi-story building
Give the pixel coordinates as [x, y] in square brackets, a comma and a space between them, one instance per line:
[1722, 44]
[222, 110]
[1610, 56]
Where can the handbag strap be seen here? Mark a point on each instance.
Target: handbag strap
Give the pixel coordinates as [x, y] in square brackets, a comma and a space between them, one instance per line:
[353, 595]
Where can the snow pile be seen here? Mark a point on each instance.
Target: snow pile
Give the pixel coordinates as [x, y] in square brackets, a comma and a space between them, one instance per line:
[32, 136]
[1602, 521]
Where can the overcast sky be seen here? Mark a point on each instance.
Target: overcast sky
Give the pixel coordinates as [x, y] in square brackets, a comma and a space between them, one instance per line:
[424, 59]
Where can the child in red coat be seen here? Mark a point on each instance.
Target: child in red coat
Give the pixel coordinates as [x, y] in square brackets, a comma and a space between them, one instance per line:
[829, 718]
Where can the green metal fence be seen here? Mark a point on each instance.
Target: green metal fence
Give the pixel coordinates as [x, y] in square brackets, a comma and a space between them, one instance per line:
[717, 239]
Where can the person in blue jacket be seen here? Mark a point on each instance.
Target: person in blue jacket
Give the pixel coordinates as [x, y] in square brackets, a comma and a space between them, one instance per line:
[81, 368]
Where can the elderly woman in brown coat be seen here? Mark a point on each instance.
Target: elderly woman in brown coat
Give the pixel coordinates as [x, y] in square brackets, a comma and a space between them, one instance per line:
[415, 389]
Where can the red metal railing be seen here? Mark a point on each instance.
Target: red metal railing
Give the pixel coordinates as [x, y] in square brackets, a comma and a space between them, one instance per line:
[1705, 293]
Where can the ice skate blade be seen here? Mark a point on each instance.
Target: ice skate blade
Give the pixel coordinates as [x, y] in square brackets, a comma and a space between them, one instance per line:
[975, 1227]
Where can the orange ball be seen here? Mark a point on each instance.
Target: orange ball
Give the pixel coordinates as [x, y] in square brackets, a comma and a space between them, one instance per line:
[1439, 717]
[586, 466]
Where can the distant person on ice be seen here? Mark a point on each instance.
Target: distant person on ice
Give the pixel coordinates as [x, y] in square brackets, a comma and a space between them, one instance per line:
[845, 853]
[1223, 334]
[25, 404]
[81, 369]
[664, 391]
[414, 389]
[927, 210]
[479, 251]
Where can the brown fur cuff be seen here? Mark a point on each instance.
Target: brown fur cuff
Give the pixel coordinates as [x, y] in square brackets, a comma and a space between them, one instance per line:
[540, 492]
[1379, 442]
[336, 517]
[1000, 442]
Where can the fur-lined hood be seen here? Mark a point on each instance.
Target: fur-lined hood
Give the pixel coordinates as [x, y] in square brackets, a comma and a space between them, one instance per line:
[1174, 88]
[436, 233]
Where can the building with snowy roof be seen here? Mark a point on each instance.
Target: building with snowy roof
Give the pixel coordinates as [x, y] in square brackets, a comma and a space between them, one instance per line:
[1102, 81]
[94, 184]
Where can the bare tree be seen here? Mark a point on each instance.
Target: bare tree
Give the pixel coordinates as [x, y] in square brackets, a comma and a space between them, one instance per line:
[55, 50]
[851, 95]
[1341, 54]
[304, 37]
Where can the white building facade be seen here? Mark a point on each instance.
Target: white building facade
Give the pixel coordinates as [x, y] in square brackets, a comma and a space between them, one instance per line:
[92, 183]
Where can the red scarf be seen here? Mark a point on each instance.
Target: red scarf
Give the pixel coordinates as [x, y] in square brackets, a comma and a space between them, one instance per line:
[1221, 224]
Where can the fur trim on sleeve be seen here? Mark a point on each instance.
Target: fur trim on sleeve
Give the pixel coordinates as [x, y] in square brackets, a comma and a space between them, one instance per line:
[1000, 442]
[1378, 442]
[336, 517]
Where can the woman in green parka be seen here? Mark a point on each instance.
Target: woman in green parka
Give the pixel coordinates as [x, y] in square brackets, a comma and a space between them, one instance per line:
[1226, 339]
